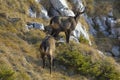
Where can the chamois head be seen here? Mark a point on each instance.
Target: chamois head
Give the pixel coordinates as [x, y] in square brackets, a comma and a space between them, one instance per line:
[78, 13]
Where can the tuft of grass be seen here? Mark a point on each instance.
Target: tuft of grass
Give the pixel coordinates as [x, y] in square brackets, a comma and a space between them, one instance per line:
[83, 40]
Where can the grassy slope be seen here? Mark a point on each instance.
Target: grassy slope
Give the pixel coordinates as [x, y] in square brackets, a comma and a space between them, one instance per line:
[19, 49]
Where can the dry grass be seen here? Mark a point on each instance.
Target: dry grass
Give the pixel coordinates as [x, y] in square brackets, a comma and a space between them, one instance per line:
[83, 22]
[19, 49]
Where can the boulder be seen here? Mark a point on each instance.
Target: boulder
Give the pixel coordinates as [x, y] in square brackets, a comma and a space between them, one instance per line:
[78, 5]
[53, 12]
[108, 54]
[91, 24]
[101, 53]
[73, 38]
[66, 12]
[38, 26]
[32, 13]
[80, 30]
[58, 4]
[44, 13]
[34, 25]
[38, 1]
[62, 7]
[116, 51]
[100, 24]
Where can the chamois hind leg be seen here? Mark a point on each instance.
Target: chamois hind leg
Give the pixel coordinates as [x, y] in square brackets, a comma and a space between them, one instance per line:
[50, 61]
[67, 33]
[43, 60]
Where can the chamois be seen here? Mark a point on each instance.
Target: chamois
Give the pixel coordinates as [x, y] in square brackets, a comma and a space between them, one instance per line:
[47, 49]
[64, 24]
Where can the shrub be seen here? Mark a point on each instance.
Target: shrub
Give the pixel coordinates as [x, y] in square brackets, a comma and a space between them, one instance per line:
[6, 73]
[83, 40]
[98, 70]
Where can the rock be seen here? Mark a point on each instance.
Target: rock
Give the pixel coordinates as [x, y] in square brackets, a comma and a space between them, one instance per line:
[116, 51]
[53, 12]
[111, 22]
[108, 54]
[61, 40]
[80, 30]
[58, 4]
[110, 14]
[44, 13]
[91, 24]
[62, 7]
[101, 53]
[13, 20]
[115, 32]
[78, 5]
[35, 25]
[38, 1]
[73, 38]
[66, 12]
[38, 26]
[32, 13]
[100, 22]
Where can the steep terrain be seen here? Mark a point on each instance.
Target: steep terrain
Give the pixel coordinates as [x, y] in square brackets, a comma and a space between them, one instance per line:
[94, 58]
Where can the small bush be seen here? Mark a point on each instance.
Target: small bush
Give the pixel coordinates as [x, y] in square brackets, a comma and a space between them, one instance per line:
[6, 73]
[83, 40]
[98, 70]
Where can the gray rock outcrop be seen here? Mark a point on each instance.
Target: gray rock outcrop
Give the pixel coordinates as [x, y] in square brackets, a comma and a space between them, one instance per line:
[116, 51]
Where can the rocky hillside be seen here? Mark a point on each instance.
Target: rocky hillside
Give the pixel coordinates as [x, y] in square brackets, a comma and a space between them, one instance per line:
[92, 54]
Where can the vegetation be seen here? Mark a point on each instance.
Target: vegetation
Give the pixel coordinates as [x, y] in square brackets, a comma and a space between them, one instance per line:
[82, 64]
[20, 58]
[6, 73]
[83, 40]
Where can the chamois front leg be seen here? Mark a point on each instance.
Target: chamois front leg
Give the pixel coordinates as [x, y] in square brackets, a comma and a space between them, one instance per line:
[55, 33]
[67, 33]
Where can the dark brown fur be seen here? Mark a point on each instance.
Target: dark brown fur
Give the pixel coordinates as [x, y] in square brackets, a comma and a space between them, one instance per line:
[65, 24]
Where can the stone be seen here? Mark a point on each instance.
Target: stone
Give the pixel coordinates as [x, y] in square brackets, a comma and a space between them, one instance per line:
[44, 13]
[81, 30]
[61, 7]
[58, 4]
[91, 24]
[116, 51]
[38, 1]
[34, 25]
[32, 13]
[53, 12]
[66, 12]
[108, 54]
[78, 5]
